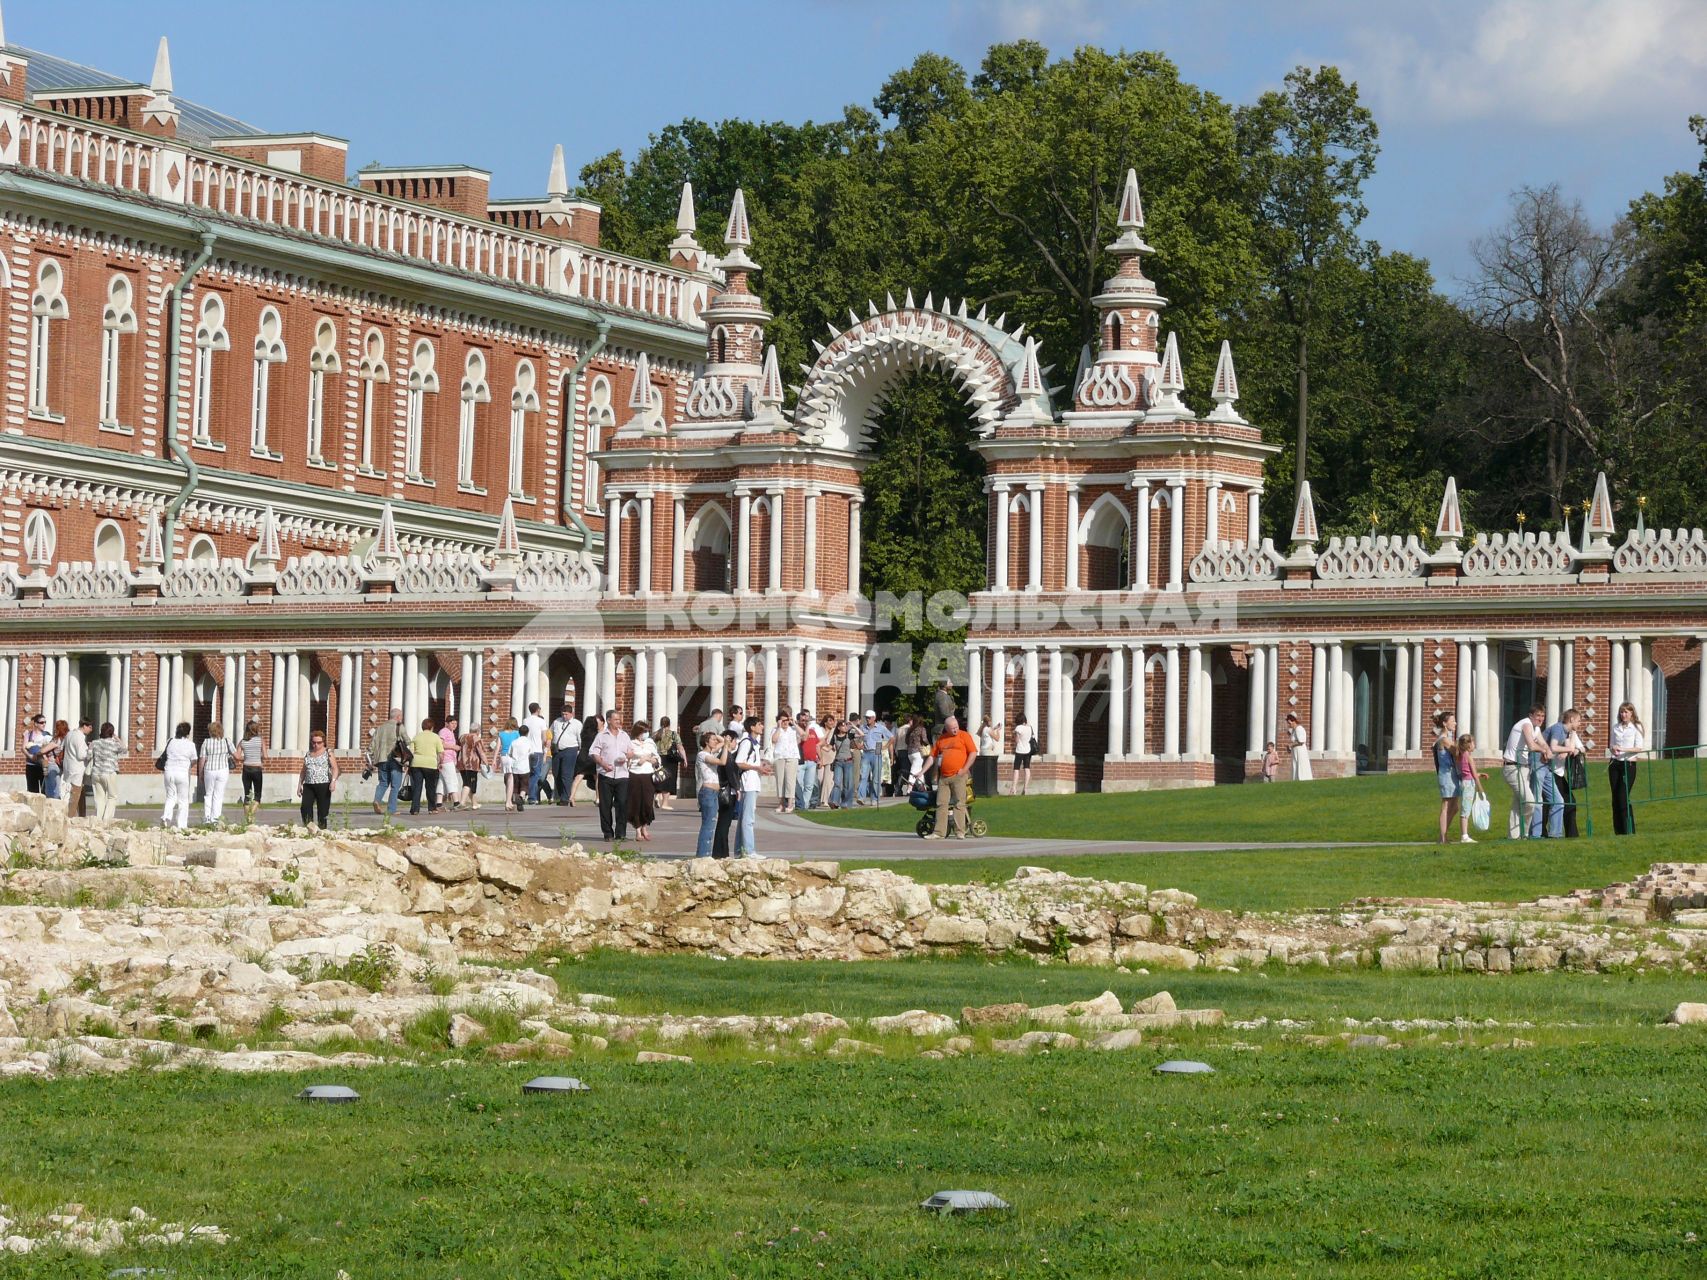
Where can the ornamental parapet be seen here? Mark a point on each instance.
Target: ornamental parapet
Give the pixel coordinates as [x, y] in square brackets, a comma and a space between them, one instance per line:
[1662, 551]
[1222, 563]
[1520, 555]
[1377, 558]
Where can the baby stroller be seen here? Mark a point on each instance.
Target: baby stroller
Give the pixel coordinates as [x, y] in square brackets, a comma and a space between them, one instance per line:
[924, 800]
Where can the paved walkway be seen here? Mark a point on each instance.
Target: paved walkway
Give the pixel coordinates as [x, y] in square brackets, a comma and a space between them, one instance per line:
[780, 835]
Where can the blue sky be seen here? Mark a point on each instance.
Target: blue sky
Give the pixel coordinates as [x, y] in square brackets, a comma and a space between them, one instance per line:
[1473, 99]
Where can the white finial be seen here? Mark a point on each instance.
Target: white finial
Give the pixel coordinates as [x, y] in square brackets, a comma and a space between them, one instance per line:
[1131, 205]
[1030, 376]
[686, 222]
[38, 545]
[1600, 522]
[770, 380]
[161, 82]
[152, 553]
[2, 31]
[640, 398]
[1170, 383]
[1449, 524]
[1304, 518]
[737, 232]
[1226, 390]
[557, 184]
[508, 544]
[267, 550]
[385, 544]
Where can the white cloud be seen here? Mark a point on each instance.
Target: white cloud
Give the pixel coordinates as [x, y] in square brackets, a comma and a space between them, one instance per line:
[1553, 62]
[1055, 23]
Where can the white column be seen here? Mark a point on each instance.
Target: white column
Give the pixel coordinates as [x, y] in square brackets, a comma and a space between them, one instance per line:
[1176, 536]
[1031, 712]
[718, 681]
[1401, 698]
[1348, 704]
[1034, 547]
[163, 703]
[779, 505]
[293, 699]
[1000, 494]
[1141, 557]
[1138, 721]
[795, 680]
[591, 693]
[1336, 699]
[475, 710]
[769, 658]
[1194, 700]
[1170, 703]
[396, 678]
[518, 685]
[1072, 578]
[1271, 716]
[809, 688]
[1212, 512]
[1486, 710]
[1057, 713]
[854, 507]
[613, 541]
[1116, 701]
[115, 691]
[853, 707]
[744, 536]
[1318, 699]
[67, 694]
[1700, 694]
[1419, 708]
[1619, 665]
[641, 705]
[673, 696]
[645, 581]
[660, 686]
[346, 670]
[738, 695]
[537, 671]
[177, 696]
[1640, 685]
[1253, 519]
[468, 693]
[1206, 743]
[275, 721]
[1466, 707]
[678, 543]
[1256, 736]
[123, 722]
[974, 690]
[1568, 673]
[49, 683]
[999, 688]
[1554, 660]
[809, 582]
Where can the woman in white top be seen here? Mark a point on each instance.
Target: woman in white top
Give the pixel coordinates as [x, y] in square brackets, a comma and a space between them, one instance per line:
[1629, 740]
[217, 754]
[1300, 740]
[1025, 739]
[984, 766]
[175, 763]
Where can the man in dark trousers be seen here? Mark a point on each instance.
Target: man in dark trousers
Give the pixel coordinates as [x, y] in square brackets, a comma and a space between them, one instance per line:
[611, 749]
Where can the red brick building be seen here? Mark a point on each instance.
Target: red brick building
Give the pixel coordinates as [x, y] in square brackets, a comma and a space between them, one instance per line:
[282, 446]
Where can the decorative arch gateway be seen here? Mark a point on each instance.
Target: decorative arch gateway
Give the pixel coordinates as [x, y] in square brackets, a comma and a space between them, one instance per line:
[848, 385]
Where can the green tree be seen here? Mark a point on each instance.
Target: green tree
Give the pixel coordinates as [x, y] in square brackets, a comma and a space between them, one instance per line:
[1307, 151]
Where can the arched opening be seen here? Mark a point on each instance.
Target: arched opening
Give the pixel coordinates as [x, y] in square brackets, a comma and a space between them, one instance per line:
[708, 541]
[109, 543]
[202, 550]
[1105, 540]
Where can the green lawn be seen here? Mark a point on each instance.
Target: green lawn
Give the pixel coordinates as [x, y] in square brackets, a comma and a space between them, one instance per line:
[1578, 1157]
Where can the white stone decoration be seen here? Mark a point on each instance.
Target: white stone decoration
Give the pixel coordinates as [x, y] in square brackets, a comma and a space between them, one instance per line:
[187, 580]
[1662, 551]
[1222, 562]
[1519, 555]
[435, 573]
[317, 575]
[1370, 559]
[557, 574]
[83, 580]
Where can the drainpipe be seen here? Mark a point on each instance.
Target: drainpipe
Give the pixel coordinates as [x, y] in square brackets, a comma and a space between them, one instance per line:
[574, 389]
[192, 473]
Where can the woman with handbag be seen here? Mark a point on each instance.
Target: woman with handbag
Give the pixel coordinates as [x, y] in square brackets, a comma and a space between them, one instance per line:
[53, 759]
[670, 757]
[644, 771]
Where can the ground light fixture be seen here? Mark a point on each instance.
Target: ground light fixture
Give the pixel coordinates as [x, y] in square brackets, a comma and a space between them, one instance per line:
[554, 1084]
[1184, 1067]
[329, 1093]
[958, 1202]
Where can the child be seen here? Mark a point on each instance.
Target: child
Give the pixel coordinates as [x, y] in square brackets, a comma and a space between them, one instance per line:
[1270, 763]
[1469, 784]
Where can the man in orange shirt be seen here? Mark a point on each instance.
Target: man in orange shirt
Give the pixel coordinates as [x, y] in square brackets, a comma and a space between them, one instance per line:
[954, 752]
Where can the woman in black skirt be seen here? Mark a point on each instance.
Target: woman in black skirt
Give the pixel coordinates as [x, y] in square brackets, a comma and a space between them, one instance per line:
[642, 783]
[586, 769]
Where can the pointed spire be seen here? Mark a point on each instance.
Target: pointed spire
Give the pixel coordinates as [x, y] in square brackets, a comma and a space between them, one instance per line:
[1226, 389]
[1304, 532]
[2, 31]
[508, 544]
[640, 398]
[385, 544]
[1030, 376]
[557, 184]
[161, 82]
[1170, 383]
[152, 553]
[1449, 524]
[38, 545]
[770, 381]
[737, 232]
[1131, 205]
[686, 222]
[267, 550]
[1601, 525]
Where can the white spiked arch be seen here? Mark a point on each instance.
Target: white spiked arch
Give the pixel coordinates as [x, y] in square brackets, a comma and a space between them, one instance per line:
[847, 386]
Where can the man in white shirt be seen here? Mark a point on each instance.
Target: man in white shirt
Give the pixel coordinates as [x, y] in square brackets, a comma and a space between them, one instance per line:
[750, 760]
[785, 750]
[713, 723]
[76, 762]
[534, 726]
[1523, 744]
[611, 749]
[565, 752]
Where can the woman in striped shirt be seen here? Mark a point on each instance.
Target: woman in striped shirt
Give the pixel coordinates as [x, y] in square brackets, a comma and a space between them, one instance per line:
[104, 769]
[217, 755]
